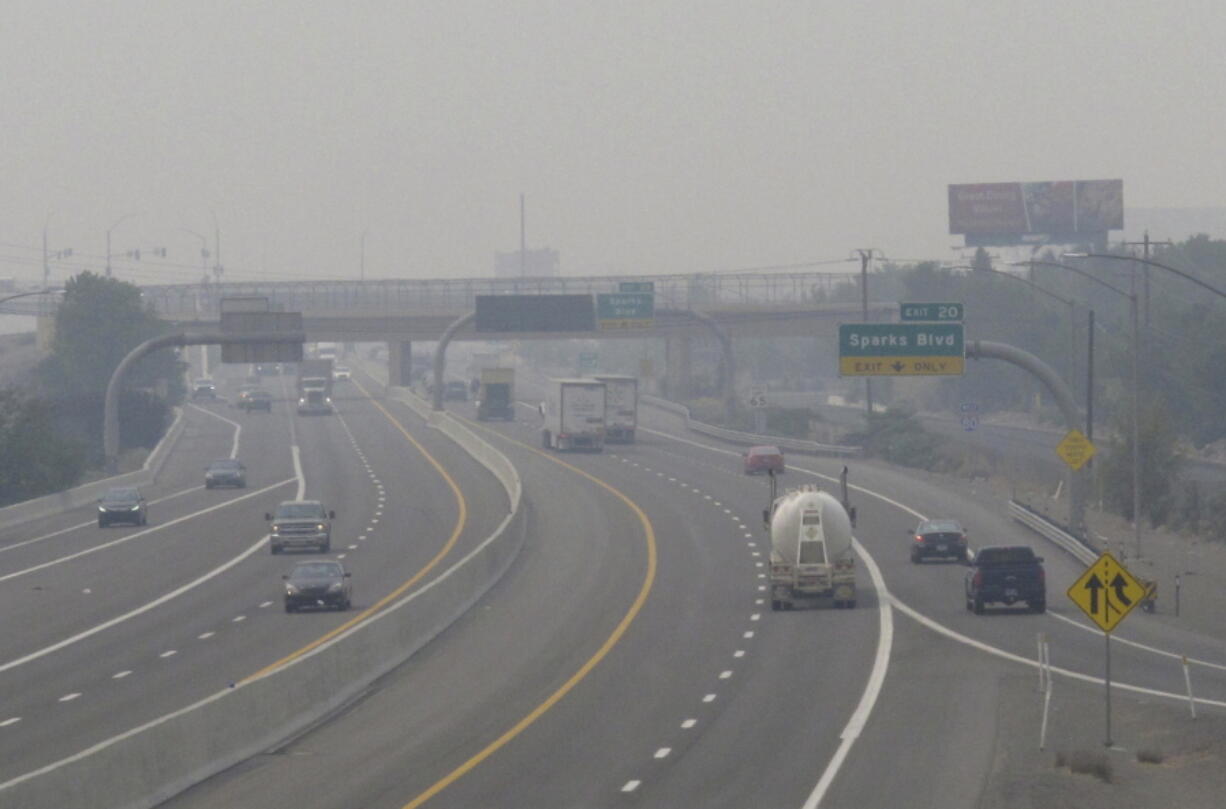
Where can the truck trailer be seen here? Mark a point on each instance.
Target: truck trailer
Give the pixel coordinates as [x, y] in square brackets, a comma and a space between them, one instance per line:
[496, 394]
[574, 415]
[621, 407]
[315, 387]
[811, 550]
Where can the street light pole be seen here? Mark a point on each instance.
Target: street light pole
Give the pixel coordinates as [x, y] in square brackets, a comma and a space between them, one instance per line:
[865, 257]
[362, 259]
[118, 222]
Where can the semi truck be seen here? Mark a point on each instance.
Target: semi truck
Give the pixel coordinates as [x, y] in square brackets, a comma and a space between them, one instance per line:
[574, 414]
[496, 394]
[811, 550]
[315, 387]
[621, 407]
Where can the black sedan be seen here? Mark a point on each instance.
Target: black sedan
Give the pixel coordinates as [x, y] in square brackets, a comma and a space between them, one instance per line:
[226, 472]
[939, 538]
[122, 505]
[323, 584]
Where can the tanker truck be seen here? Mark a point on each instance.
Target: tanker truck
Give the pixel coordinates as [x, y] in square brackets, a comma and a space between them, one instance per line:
[811, 554]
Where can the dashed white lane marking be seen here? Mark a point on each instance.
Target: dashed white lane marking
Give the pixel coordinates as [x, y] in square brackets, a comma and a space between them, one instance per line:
[724, 675]
[378, 512]
[709, 698]
[374, 521]
[70, 697]
[739, 653]
[761, 575]
[630, 786]
[748, 634]
[689, 723]
[727, 510]
[659, 474]
[87, 591]
[748, 535]
[265, 604]
[353, 547]
[761, 587]
[663, 752]
[759, 601]
[205, 635]
[751, 544]
[238, 618]
[169, 653]
[707, 496]
[757, 616]
[672, 480]
[717, 503]
[8, 722]
[341, 555]
[119, 675]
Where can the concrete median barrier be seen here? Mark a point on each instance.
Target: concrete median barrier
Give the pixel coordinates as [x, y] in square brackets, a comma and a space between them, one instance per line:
[155, 761]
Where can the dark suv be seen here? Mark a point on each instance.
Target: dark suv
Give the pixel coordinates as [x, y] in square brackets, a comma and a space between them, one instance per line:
[1007, 574]
[226, 472]
[938, 538]
[301, 524]
[122, 505]
[317, 584]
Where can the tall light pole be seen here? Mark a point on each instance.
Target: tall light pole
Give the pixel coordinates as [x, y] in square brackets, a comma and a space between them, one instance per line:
[866, 255]
[1136, 385]
[118, 222]
[217, 269]
[49, 254]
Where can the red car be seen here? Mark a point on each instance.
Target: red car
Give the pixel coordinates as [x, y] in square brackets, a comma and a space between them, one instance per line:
[760, 460]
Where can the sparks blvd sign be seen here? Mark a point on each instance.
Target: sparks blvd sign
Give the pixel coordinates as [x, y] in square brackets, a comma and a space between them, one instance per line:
[626, 310]
[901, 349]
[518, 313]
[1027, 213]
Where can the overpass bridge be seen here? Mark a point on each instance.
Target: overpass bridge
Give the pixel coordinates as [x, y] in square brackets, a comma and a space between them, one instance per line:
[402, 311]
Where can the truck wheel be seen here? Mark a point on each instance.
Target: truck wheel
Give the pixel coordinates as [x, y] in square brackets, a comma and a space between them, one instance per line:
[915, 559]
[274, 549]
[776, 605]
[978, 607]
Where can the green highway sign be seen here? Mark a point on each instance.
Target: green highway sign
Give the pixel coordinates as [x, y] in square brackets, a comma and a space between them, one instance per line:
[901, 349]
[951, 312]
[626, 310]
[636, 286]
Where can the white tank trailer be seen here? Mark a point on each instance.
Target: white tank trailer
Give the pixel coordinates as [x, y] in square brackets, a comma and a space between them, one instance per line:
[811, 554]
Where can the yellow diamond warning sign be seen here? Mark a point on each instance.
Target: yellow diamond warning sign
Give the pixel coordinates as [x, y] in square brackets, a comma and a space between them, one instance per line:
[1106, 592]
[1075, 449]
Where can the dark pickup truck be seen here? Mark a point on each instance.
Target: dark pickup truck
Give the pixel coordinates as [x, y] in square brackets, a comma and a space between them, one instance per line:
[1008, 574]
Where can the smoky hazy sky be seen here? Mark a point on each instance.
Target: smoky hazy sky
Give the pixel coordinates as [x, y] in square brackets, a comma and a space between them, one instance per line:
[648, 135]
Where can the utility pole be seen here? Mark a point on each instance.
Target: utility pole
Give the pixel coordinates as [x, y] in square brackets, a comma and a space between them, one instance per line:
[865, 257]
[48, 254]
[362, 260]
[217, 268]
[523, 252]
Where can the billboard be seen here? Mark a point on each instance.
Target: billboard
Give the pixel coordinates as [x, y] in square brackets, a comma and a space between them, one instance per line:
[1022, 213]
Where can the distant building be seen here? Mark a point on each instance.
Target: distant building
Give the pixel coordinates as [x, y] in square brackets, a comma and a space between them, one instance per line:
[543, 262]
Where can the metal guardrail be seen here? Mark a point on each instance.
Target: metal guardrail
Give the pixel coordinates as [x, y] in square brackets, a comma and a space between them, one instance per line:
[1046, 528]
[738, 437]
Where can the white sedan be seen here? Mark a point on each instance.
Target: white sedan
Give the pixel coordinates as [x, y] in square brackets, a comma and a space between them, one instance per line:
[340, 374]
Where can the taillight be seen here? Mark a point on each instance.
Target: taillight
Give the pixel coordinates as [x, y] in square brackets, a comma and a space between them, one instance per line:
[978, 580]
[919, 537]
[1042, 576]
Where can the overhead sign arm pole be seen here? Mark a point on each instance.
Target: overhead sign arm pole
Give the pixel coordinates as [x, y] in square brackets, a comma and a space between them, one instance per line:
[110, 415]
[440, 355]
[1060, 391]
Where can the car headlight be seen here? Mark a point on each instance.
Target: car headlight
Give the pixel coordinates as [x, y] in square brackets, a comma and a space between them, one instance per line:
[291, 590]
[102, 508]
[301, 400]
[335, 588]
[134, 508]
[320, 527]
[276, 529]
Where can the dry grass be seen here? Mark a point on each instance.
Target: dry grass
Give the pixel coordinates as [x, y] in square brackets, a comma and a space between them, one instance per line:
[1147, 756]
[1085, 762]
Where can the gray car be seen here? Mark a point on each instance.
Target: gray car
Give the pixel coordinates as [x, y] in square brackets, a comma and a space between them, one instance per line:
[122, 504]
[226, 472]
[301, 525]
[323, 584]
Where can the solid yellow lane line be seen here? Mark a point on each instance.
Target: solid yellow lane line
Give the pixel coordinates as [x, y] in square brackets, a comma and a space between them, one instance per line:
[583, 671]
[461, 521]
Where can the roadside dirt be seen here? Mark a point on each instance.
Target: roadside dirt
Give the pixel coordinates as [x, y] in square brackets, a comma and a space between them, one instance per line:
[1185, 757]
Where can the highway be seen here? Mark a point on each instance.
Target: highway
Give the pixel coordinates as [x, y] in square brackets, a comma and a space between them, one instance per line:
[109, 628]
[628, 657]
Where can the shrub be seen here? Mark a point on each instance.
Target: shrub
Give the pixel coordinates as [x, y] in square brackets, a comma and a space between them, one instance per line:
[1085, 762]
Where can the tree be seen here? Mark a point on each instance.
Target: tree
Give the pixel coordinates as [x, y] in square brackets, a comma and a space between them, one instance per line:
[1159, 462]
[35, 459]
[100, 320]
[981, 261]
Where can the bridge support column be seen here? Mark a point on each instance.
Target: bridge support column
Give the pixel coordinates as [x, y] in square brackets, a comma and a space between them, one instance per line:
[677, 368]
[400, 363]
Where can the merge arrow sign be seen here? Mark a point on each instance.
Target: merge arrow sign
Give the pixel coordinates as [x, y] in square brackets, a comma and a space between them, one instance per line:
[1106, 592]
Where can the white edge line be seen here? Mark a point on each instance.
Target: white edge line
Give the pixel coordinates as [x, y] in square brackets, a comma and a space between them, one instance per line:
[298, 472]
[872, 689]
[1152, 649]
[139, 534]
[238, 428]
